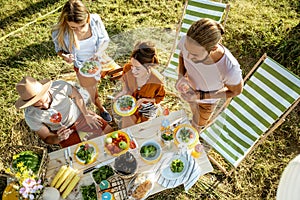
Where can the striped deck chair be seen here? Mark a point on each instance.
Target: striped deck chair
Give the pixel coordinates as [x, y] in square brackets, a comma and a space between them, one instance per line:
[269, 94]
[194, 10]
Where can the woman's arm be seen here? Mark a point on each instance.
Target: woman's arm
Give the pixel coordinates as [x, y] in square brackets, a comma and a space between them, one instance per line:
[91, 120]
[181, 67]
[102, 34]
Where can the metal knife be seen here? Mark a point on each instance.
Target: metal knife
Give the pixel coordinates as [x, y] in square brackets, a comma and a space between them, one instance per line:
[98, 166]
[66, 157]
[70, 157]
[175, 123]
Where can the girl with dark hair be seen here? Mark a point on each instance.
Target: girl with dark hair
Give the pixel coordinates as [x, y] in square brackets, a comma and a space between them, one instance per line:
[141, 82]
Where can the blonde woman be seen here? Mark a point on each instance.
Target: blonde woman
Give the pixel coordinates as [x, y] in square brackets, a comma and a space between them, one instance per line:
[79, 36]
[207, 70]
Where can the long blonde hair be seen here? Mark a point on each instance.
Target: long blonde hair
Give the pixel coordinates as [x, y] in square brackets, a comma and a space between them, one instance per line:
[206, 32]
[73, 11]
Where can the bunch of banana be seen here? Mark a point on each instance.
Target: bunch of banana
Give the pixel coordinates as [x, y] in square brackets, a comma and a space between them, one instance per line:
[65, 180]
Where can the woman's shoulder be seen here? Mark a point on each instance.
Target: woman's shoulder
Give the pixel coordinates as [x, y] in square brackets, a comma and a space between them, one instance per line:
[156, 77]
[95, 18]
[127, 67]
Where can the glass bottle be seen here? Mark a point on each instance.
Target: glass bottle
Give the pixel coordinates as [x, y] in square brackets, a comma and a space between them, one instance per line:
[165, 129]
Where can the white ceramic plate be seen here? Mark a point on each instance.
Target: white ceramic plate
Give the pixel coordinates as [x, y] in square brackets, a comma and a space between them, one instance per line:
[128, 112]
[94, 66]
[168, 174]
[179, 134]
[94, 154]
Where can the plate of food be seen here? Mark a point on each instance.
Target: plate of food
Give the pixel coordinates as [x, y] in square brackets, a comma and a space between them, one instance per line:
[150, 151]
[116, 143]
[176, 168]
[186, 134]
[90, 68]
[125, 105]
[86, 153]
[140, 187]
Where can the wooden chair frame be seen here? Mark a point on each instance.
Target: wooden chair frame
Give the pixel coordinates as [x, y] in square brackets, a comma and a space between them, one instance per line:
[226, 12]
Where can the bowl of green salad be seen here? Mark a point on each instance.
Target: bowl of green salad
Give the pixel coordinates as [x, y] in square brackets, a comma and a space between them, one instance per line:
[150, 151]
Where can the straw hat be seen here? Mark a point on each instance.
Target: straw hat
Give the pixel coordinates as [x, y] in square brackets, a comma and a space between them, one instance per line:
[31, 91]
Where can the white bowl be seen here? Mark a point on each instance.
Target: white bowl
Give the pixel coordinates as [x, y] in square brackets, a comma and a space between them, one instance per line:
[154, 159]
[50, 193]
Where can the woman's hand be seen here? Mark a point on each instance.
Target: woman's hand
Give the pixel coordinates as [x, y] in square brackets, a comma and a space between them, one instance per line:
[140, 101]
[119, 95]
[190, 96]
[64, 133]
[69, 58]
[93, 120]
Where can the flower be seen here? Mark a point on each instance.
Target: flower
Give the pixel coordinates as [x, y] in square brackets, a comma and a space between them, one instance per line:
[28, 185]
[31, 188]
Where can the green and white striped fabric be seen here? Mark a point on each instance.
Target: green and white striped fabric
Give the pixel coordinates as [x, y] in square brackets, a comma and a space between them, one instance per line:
[196, 9]
[269, 92]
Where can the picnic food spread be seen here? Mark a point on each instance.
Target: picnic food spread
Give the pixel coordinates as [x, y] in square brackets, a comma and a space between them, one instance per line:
[116, 143]
[125, 105]
[86, 153]
[118, 167]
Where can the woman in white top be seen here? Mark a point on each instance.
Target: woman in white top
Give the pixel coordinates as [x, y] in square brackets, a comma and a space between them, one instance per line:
[80, 36]
[207, 70]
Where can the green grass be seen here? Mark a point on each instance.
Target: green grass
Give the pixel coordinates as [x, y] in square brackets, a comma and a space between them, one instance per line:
[253, 28]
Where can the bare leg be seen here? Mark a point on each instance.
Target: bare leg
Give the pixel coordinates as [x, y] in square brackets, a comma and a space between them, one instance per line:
[90, 84]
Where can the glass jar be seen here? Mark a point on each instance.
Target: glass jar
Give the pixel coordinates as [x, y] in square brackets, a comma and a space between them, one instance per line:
[197, 151]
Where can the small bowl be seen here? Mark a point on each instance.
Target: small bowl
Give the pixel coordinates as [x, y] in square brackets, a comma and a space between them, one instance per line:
[156, 157]
[51, 193]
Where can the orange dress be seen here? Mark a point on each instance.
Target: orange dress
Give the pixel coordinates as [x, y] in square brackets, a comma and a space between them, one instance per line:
[154, 88]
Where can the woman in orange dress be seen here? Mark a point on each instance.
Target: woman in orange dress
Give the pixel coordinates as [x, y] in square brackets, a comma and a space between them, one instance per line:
[142, 83]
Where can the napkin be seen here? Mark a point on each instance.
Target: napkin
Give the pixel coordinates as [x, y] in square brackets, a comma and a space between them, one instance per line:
[188, 179]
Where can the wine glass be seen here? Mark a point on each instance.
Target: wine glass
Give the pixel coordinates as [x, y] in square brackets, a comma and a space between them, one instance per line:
[55, 116]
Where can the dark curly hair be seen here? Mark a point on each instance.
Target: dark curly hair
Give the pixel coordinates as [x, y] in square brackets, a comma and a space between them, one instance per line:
[145, 53]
